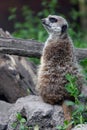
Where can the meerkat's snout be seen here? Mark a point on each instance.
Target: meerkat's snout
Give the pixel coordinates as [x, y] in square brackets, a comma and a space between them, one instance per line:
[45, 22]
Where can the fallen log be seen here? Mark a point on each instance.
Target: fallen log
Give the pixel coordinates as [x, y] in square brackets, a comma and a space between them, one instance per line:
[30, 48]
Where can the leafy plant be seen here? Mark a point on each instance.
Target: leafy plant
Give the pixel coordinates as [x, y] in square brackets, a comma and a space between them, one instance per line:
[79, 108]
[21, 121]
[65, 126]
[71, 87]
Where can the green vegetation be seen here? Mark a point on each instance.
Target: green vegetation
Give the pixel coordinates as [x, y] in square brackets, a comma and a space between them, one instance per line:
[72, 88]
[65, 126]
[79, 109]
[31, 26]
[21, 122]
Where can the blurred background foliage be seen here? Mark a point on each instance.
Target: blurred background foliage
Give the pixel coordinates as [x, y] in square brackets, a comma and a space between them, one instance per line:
[31, 27]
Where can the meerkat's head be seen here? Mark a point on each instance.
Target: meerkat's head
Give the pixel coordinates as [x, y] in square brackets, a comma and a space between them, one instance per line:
[55, 24]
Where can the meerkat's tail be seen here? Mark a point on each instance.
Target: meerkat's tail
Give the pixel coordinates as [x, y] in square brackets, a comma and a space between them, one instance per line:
[67, 113]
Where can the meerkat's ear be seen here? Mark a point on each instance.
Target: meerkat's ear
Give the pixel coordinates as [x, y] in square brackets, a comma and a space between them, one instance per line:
[64, 28]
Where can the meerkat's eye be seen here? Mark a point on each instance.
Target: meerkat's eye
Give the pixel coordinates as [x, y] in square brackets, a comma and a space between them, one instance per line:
[52, 20]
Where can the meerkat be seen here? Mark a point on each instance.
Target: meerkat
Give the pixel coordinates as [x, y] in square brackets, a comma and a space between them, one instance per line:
[58, 59]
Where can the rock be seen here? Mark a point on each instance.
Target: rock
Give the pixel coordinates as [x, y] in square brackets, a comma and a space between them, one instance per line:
[80, 127]
[17, 76]
[28, 71]
[36, 112]
[4, 108]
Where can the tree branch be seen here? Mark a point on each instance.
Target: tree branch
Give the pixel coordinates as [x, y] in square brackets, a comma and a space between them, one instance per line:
[80, 53]
[29, 48]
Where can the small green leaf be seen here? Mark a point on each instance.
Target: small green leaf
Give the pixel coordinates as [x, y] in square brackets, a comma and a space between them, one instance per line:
[70, 103]
[19, 117]
[23, 120]
[81, 107]
[14, 125]
[12, 17]
[68, 77]
[36, 127]
[60, 127]
[22, 127]
[66, 122]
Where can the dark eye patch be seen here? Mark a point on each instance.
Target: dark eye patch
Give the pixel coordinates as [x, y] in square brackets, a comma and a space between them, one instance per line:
[64, 28]
[52, 20]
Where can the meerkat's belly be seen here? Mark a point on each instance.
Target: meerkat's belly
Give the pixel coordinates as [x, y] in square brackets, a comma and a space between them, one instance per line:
[52, 82]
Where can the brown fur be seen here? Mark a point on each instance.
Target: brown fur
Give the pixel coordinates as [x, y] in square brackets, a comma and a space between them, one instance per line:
[67, 114]
[57, 60]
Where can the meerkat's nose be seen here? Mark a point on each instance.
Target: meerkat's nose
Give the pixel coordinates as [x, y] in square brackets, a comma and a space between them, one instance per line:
[43, 21]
